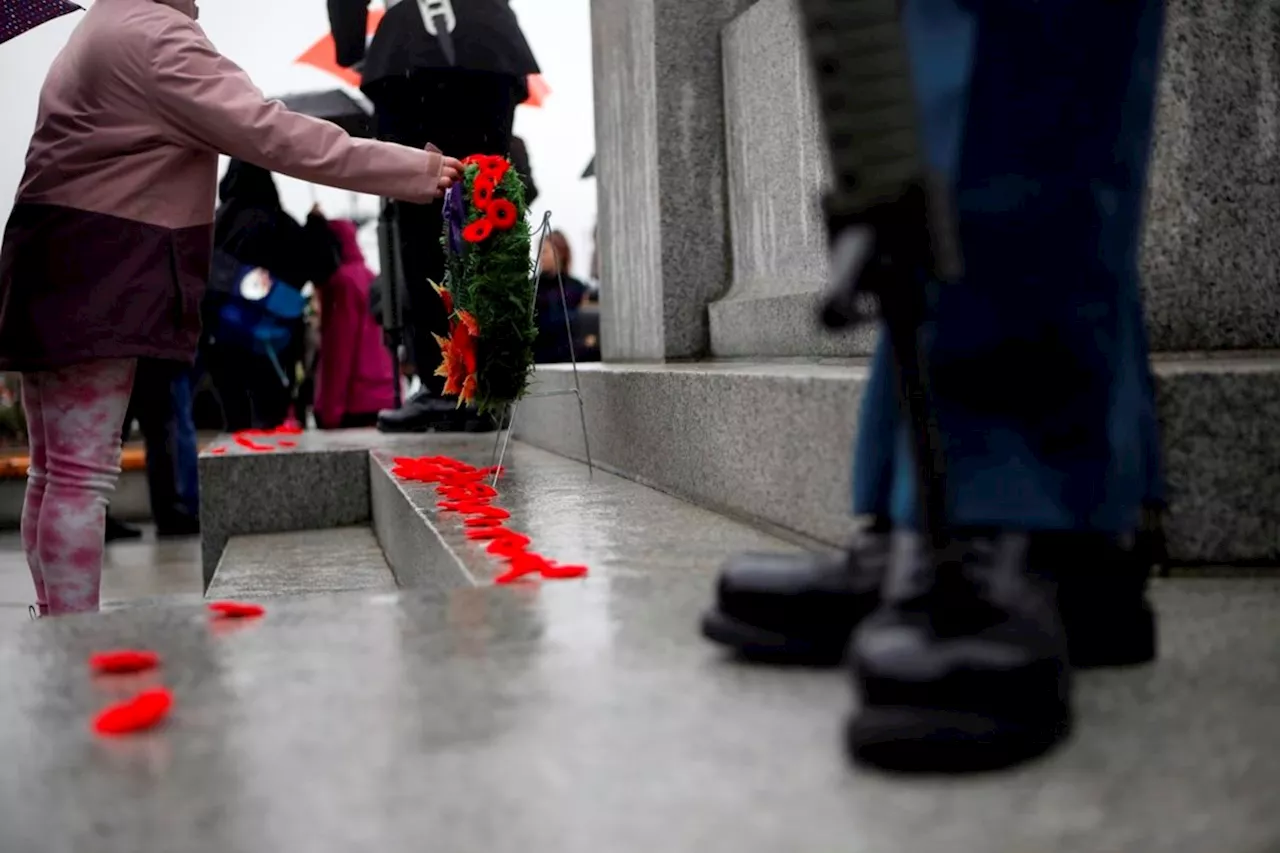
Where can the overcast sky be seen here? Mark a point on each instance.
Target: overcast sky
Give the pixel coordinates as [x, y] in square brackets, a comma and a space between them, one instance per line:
[560, 135]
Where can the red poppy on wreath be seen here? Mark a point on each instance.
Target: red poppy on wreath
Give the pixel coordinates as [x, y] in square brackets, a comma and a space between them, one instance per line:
[482, 192]
[502, 214]
[478, 231]
[495, 170]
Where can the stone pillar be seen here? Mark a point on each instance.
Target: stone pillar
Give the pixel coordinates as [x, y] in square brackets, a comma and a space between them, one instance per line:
[776, 162]
[1211, 259]
[660, 161]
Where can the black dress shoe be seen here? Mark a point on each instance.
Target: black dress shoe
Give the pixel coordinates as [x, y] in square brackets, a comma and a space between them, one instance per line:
[424, 413]
[802, 608]
[176, 525]
[798, 608]
[116, 530]
[965, 665]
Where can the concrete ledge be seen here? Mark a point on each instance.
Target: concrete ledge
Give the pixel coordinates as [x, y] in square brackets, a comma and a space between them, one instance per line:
[771, 442]
[404, 522]
[322, 481]
[618, 528]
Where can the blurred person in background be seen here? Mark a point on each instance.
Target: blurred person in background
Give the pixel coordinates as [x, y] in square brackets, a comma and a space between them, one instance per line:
[454, 72]
[355, 375]
[256, 381]
[555, 312]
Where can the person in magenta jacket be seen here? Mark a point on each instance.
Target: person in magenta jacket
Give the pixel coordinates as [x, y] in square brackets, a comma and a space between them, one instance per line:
[107, 251]
[356, 377]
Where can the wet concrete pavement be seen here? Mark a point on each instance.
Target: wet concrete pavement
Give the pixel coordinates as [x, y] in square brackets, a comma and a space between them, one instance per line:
[589, 716]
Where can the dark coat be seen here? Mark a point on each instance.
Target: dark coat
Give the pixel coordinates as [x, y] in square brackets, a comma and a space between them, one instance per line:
[487, 37]
[254, 229]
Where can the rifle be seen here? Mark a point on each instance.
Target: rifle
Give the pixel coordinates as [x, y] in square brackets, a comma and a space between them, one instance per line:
[888, 219]
[391, 280]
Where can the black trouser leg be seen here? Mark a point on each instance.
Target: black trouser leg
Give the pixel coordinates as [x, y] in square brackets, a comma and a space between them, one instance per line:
[462, 113]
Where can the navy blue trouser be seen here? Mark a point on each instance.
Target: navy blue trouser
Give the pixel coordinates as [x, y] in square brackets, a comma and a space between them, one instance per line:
[1038, 113]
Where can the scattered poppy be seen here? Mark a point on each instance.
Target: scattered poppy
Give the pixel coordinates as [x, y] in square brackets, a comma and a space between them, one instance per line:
[236, 609]
[502, 214]
[555, 572]
[123, 661]
[483, 522]
[482, 533]
[140, 713]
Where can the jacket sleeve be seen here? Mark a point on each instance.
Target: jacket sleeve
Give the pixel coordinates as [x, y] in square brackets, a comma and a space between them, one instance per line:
[349, 22]
[210, 103]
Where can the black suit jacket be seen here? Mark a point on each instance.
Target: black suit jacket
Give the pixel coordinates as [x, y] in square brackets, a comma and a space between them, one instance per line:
[487, 38]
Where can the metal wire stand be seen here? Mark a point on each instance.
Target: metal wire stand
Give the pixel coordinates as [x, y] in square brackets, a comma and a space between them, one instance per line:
[503, 439]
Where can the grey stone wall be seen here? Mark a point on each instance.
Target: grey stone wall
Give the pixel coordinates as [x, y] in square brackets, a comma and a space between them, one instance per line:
[1211, 254]
[1212, 250]
[660, 161]
[776, 162]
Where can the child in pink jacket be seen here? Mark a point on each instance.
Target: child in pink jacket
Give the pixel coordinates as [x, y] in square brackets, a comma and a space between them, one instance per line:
[107, 251]
[355, 378]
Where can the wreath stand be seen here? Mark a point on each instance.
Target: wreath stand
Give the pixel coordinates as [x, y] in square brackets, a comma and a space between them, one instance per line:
[503, 438]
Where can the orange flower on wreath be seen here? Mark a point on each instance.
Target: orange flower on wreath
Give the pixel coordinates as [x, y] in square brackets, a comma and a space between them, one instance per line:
[458, 358]
[445, 296]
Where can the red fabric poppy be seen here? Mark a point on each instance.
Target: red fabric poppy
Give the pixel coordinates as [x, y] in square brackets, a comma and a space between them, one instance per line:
[480, 534]
[483, 522]
[502, 214]
[236, 609]
[555, 572]
[482, 192]
[138, 714]
[508, 546]
[495, 171]
[122, 661]
[478, 231]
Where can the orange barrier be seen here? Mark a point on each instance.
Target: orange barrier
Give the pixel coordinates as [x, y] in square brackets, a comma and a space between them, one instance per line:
[13, 466]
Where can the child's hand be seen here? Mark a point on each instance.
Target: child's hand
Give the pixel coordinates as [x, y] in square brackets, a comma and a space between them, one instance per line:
[450, 171]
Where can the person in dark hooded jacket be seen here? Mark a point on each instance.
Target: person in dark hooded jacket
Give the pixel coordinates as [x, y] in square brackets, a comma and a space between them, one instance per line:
[454, 70]
[252, 229]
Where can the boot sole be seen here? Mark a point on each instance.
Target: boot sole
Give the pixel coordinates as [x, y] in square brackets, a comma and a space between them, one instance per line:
[760, 644]
[932, 741]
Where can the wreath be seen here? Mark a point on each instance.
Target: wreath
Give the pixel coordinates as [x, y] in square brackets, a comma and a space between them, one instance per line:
[487, 294]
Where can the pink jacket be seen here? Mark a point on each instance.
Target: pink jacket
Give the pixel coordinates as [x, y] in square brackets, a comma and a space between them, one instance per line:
[355, 373]
[108, 248]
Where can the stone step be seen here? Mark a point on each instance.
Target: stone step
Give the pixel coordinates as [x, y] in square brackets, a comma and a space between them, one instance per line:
[341, 559]
[310, 481]
[618, 527]
[770, 442]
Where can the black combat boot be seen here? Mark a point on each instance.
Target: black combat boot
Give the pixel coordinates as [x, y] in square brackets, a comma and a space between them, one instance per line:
[802, 608]
[966, 664]
[798, 608]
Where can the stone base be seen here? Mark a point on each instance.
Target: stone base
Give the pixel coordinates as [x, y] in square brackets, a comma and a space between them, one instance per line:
[771, 442]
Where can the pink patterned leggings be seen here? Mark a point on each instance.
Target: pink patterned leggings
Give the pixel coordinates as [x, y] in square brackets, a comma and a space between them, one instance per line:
[74, 418]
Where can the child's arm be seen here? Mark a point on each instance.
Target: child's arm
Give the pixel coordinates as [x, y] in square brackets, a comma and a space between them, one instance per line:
[210, 103]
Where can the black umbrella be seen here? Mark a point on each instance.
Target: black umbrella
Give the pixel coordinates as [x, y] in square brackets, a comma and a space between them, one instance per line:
[590, 171]
[334, 105]
[18, 16]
